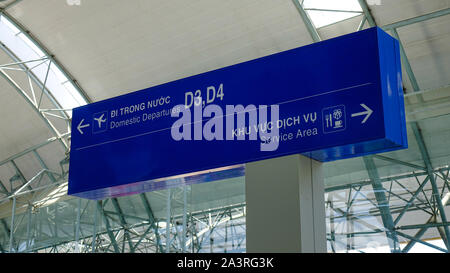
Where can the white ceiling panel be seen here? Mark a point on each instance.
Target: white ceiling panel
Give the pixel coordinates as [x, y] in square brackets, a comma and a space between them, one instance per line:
[20, 126]
[391, 11]
[427, 47]
[112, 48]
[344, 27]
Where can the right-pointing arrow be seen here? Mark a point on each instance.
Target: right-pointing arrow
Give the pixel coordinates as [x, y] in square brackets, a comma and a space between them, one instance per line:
[368, 112]
[81, 126]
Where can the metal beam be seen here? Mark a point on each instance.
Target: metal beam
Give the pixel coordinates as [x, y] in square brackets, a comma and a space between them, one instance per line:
[152, 219]
[31, 149]
[417, 19]
[122, 221]
[383, 204]
[367, 13]
[411, 243]
[149, 228]
[406, 64]
[168, 223]
[308, 22]
[22, 177]
[128, 216]
[108, 227]
[376, 183]
[410, 202]
[184, 221]
[417, 132]
[430, 224]
[3, 188]
[77, 226]
[11, 229]
[44, 166]
[32, 76]
[30, 102]
[9, 5]
[47, 53]
[421, 242]
[7, 231]
[362, 23]
[334, 10]
[436, 194]
[382, 180]
[396, 161]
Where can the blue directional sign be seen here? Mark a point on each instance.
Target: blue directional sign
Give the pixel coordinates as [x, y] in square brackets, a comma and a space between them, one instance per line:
[331, 100]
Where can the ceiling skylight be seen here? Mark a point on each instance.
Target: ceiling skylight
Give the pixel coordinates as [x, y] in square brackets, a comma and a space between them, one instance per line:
[26, 50]
[327, 12]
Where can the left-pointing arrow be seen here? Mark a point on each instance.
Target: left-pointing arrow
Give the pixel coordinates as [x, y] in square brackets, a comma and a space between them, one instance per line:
[81, 126]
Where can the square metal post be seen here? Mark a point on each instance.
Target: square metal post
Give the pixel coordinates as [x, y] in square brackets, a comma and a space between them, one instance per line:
[285, 205]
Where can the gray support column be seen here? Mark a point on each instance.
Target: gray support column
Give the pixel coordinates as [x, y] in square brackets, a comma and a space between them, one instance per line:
[285, 205]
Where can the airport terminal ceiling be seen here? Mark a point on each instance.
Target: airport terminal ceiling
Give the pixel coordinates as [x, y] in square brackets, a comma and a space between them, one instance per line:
[59, 54]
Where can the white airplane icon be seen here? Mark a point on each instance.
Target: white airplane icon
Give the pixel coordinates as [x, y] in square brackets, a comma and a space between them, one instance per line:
[100, 120]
